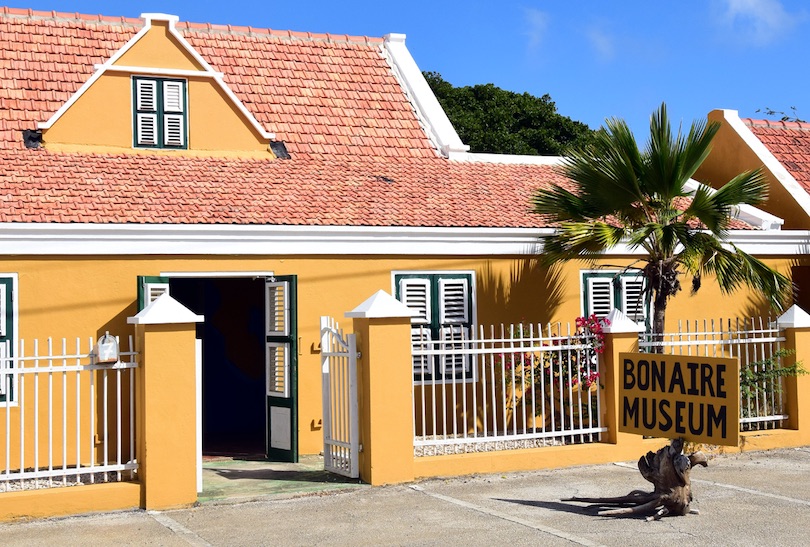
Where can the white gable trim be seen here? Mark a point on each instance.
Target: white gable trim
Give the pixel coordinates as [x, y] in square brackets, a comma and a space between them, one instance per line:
[770, 162]
[206, 72]
[437, 125]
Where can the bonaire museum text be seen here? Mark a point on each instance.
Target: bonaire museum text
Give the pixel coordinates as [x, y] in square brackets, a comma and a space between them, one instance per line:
[694, 398]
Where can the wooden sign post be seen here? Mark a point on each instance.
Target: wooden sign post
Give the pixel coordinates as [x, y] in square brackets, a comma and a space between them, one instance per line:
[680, 396]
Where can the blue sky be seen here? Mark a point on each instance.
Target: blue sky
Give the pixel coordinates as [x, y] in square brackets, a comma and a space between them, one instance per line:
[595, 58]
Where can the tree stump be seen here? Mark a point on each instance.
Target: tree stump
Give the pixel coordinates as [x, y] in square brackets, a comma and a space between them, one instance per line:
[668, 470]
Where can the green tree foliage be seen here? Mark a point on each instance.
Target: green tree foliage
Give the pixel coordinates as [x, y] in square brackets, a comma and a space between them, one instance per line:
[492, 120]
[624, 194]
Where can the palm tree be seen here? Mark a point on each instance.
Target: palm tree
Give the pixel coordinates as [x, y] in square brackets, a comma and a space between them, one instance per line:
[626, 195]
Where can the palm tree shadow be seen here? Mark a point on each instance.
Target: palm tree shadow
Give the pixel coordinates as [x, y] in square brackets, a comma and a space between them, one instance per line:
[532, 291]
[590, 510]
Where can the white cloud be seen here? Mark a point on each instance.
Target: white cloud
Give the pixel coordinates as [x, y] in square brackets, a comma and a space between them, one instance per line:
[602, 42]
[756, 22]
[537, 25]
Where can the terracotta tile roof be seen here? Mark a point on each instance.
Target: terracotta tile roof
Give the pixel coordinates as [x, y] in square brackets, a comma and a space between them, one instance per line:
[789, 142]
[359, 154]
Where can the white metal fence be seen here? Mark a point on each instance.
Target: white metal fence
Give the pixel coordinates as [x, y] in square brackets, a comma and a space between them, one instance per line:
[758, 344]
[64, 419]
[517, 388]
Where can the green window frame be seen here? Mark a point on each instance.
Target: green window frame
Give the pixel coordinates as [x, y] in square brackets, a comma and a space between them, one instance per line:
[603, 290]
[446, 308]
[8, 332]
[160, 117]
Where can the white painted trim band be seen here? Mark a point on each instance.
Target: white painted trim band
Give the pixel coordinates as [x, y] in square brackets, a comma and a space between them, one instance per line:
[181, 239]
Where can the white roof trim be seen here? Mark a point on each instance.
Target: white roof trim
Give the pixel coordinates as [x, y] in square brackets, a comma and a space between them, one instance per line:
[438, 127]
[207, 72]
[75, 239]
[770, 162]
[747, 213]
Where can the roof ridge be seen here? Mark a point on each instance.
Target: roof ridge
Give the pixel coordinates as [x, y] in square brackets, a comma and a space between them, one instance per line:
[27, 13]
[776, 124]
[54, 15]
[288, 34]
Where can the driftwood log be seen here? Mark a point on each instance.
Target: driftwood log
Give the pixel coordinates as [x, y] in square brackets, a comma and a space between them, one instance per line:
[668, 470]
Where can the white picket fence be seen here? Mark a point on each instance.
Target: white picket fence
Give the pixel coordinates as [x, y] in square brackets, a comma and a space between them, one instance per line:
[517, 387]
[756, 341]
[64, 419]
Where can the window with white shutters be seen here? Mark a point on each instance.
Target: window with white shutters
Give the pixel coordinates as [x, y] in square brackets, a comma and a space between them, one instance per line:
[444, 304]
[605, 290]
[160, 113]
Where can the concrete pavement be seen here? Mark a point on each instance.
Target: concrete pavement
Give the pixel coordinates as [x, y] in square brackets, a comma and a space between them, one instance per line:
[759, 498]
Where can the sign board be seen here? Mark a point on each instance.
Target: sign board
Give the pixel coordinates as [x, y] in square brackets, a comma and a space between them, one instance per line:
[680, 396]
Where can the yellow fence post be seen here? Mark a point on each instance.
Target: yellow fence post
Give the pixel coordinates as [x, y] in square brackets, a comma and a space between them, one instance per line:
[621, 335]
[796, 324]
[385, 378]
[166, 409]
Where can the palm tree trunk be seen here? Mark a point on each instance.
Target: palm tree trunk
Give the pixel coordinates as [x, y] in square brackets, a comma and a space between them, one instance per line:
[659, 318]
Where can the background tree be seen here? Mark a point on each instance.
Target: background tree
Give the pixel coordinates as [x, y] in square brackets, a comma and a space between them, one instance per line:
[624, 194]
[490, 119]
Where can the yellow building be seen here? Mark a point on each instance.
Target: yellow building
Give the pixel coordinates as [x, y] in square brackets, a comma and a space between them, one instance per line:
[265, 179]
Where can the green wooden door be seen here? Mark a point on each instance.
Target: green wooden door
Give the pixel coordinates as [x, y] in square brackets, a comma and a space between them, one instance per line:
[281, 339]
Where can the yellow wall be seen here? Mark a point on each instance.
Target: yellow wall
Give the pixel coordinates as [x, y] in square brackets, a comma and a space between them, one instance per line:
[69, 297]
[731, 156]
[102, 117]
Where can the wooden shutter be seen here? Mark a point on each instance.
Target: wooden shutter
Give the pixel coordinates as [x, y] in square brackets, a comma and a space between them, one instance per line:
[278, 308]
[415, 293]
[173, 130]
[454, 317]
[173, 100]
[146, 95]
[633, 298]
[420, 339]
[454, 301]
[600, 295]
[5, 378]
[4, 303]
[278, 369]
[147, 129]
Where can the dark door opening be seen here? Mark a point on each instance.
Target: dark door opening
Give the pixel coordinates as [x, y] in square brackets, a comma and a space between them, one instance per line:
[233, 362]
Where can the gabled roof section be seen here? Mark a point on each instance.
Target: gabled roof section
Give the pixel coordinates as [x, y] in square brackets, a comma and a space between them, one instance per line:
[781, 148]
[197, 67]
[789, 142]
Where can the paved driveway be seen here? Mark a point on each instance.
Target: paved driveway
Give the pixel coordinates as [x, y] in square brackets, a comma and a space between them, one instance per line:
[760, 498]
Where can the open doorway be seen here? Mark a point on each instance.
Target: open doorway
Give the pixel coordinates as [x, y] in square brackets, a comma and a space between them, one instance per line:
[233, 361]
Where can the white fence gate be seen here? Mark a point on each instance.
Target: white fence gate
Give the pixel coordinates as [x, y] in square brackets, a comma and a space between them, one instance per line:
[341, 426]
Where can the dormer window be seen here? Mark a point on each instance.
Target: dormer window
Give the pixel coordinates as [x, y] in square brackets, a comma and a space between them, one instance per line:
[160, 112]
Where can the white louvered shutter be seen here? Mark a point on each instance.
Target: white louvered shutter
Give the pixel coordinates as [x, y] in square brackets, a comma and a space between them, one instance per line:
[173, 130]
[147, 129]
[3, 312]
[5, 379]
[415, 293]
[454, 297]
[454, 316]
[278, 369]
[278, 308]
[154, 290]
[173, 97]
[146, 95]
[420, 340]
[600, 293]
[633, 301]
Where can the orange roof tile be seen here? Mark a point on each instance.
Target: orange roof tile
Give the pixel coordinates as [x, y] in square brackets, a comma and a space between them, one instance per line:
[359, 156]
[789, 142]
